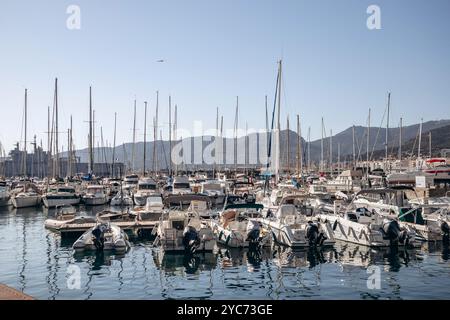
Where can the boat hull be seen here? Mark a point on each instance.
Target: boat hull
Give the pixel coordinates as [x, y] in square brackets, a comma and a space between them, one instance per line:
[25, 202]
[55, 202]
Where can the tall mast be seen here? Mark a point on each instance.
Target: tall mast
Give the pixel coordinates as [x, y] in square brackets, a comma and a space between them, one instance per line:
[278, 142]
[267, 123]
[368, 143]
[91, 140]
[299, 148]
[339, 157]
[175, 136]
[70, 148]
[236, 124]
[114, 146]
[354, 151]
[93, 136]
[429, 137]
[155, 124]
[56, 129]
[216, 142]
[170, 136]
[133, 147]
[25, 140]
[309, 149]
[321, 149]
[288, 147]
[145, 136]
[400, 140]
[387, 124]
[331, 151]
[420, 138]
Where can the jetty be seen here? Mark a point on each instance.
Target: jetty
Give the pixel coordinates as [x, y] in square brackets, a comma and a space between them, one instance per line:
[8, 293]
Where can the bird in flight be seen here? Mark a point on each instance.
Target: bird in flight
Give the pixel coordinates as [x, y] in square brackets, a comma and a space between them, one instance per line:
[160, 60]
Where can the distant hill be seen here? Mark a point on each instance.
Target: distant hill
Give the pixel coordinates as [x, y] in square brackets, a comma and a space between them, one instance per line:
[440, 139]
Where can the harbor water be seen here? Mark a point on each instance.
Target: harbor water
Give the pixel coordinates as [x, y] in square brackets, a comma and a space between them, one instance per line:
[42, 264]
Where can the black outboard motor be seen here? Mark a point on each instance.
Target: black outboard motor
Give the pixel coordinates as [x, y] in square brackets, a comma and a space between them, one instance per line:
[445, 232]
[99, 237]
[253, 236]
[191, 240]
[314, 236]
[391, 231]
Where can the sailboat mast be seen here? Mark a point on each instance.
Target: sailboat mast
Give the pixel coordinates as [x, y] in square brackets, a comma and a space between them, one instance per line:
[299, 148]
[309, 149]
[235, 134]
[56, 129]
[175, 136]
[155, 123]
[277, 173]
[353, 146]
[133, 147]
[91, 140]
[170, 136]
[387, 124]
[368, 144]
[420, 139]
[321, 149]
[331, 151]
[288, 147]
[25, 139]
[429, 137]
[400, 141]
[145, 137]
[267, 123]
[114, 146]
[216, 143]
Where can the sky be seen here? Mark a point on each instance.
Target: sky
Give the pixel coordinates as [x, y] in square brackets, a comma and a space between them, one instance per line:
[333, 65]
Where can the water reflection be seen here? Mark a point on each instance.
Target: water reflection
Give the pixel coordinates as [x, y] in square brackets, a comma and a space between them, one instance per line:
[37, 263]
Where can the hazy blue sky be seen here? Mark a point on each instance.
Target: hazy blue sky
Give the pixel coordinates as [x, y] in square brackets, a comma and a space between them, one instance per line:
[334, 66]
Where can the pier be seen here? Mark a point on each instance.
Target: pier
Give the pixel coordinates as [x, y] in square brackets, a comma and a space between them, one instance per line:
[8, 293]
[125, 225]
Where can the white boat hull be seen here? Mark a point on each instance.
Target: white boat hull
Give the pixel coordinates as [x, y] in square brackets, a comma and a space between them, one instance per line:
[52, 203]
[95, 201]
[25, 202]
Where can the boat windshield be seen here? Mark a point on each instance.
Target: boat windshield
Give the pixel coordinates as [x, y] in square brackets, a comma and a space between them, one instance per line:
[181, 186]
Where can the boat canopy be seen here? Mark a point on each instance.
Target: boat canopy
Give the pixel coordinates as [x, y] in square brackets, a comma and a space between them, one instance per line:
[244, 206]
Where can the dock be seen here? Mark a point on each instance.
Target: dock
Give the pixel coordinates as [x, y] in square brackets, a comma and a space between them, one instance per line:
[124, 225]
[7, 293]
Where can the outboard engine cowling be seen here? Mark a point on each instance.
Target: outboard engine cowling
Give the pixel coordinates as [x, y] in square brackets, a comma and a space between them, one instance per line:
[253, 232]
[445, 232]
[312, 233]
[391, 231]
[191, 240]
[99, 236]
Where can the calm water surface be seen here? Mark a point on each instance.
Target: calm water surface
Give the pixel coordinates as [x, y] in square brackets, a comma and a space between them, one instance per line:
[39, 263]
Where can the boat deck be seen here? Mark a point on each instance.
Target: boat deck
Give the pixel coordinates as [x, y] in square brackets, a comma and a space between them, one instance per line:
[125, 225]
[7, 293]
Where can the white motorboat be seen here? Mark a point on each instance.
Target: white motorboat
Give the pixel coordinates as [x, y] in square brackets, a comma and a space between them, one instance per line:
[295, 230]
[184, 230]
[67, 215]
[152, 210]
[214, 190]
[60, 196]
[394, 201]
[5, 196]
[239, 226]
[145, 188]
[181, 185]
[348, 181]
[95, 195]
[363, 227]
[103, 237]
[122, 198]
[26, 199]
[319, 191]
